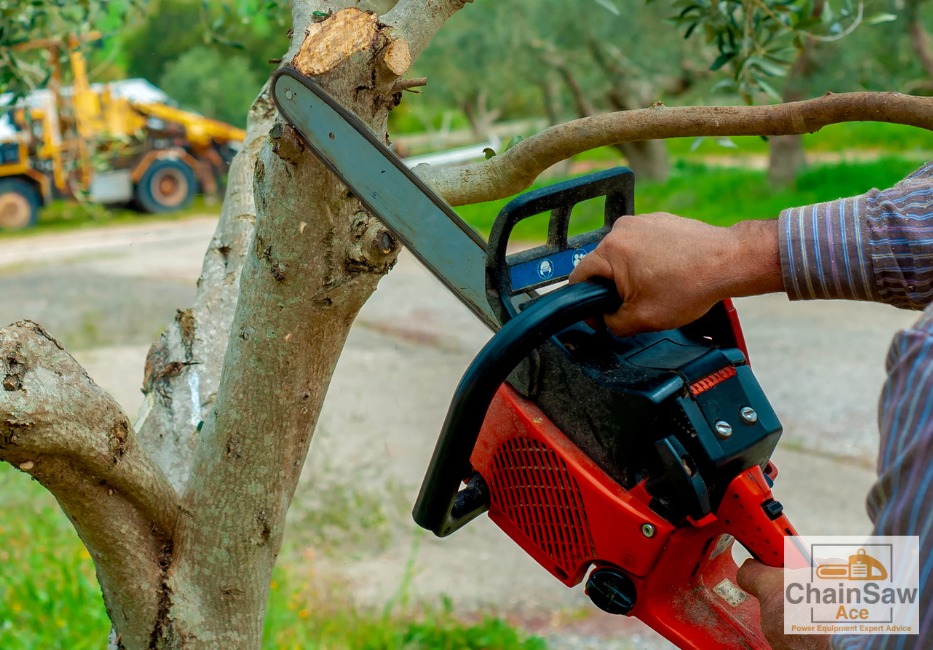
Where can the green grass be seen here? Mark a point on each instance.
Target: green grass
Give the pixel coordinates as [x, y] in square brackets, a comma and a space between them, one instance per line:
[50, 600]
[61, 215]
[299, 618]
[49, 596]
[716, 195]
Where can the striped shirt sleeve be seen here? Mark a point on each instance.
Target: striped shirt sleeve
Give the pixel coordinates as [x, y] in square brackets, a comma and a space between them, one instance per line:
[901, 501]
[877, 246]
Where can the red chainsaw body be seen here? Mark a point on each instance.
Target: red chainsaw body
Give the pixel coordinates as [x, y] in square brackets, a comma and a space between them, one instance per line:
[569, 515]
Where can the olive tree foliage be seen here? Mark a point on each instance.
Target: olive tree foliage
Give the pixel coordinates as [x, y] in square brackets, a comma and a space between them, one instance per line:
[22, 21]
[758, 41]
[766, 44]
[183, 512]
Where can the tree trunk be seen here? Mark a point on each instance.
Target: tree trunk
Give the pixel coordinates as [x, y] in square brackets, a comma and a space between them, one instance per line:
[920, 41]
[480, 117]
[787, 155]
[787, 152]
[553, 102]
[648, 159]
[786, 160]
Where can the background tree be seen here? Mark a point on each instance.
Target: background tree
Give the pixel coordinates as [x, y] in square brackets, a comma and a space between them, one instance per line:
[485, 90]
[206, 81]
[184, 514]
[563, 62]
[210, 58]
[764, 42]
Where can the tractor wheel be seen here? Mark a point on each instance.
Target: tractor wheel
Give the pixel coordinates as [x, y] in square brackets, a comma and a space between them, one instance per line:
[167, 185]
[19, 204]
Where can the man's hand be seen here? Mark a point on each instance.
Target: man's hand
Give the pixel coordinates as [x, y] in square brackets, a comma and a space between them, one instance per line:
[767, 585]
[670, 271]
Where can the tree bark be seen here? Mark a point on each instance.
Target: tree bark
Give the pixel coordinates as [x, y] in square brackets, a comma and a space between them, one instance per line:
[919, 38]
[787, 152]
[183, 367]
[553, 103]
[786, 160]
[58, 426]
[648, 159]
[480, 117]
[316, 257]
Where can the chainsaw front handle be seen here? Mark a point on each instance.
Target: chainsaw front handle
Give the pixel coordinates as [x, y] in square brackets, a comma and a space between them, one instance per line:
[450, 463]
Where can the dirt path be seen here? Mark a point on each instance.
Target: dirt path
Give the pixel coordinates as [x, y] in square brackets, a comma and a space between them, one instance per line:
[107, 294]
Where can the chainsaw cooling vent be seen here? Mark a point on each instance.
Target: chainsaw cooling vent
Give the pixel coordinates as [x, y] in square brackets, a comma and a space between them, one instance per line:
[531, 485]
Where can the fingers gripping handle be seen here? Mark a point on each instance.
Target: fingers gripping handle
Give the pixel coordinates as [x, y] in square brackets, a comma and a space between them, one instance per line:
[515, 275]
[450, 463]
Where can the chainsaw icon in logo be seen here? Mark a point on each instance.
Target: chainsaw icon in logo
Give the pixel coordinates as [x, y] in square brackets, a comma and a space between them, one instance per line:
[861, 566]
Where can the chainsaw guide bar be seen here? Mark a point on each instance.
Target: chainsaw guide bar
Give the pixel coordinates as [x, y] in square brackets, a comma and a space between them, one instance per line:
[420, 219]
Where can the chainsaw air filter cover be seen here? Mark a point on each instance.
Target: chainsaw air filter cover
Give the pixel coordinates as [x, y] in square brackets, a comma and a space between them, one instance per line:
[553, 500]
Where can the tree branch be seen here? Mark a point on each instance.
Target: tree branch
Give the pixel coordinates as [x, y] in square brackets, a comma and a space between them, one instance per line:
[408, 84]
[418, 21]
[513, 171]
[57, 425]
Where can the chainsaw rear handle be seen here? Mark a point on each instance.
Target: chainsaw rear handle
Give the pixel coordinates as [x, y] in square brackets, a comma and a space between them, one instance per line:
[450, 464]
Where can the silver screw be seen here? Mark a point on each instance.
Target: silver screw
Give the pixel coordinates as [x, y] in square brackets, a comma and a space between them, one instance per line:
[723, 429]
[647, 530]
[288, 94]
[748, 414]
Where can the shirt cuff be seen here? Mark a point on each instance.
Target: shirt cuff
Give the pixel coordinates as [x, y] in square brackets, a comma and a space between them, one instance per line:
[824, 251]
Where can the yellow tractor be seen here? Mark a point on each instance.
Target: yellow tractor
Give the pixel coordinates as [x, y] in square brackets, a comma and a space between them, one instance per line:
[102, 144]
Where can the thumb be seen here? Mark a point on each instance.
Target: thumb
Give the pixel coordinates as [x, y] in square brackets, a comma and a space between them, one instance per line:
[593, 264]
[760, 580]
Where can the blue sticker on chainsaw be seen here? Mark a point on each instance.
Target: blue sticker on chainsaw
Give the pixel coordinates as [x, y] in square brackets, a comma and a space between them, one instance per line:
[552, 268]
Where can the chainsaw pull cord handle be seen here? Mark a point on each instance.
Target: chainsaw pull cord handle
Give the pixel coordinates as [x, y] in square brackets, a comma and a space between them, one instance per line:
[450, 463]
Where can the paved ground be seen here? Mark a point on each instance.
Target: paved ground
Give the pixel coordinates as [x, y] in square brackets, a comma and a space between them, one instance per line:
[107, 294]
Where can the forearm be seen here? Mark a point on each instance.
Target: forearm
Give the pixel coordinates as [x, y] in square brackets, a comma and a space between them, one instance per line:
[756, 265]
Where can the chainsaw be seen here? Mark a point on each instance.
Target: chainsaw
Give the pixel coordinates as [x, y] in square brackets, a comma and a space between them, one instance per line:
[634, 463]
